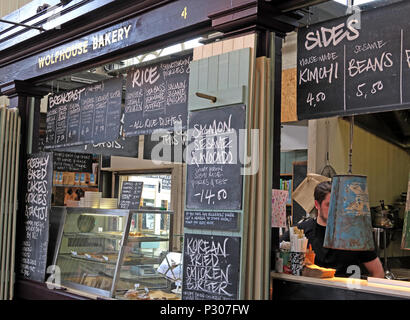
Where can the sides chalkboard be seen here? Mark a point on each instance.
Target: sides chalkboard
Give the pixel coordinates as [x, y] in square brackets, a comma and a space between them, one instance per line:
[130, 195]
[89, 114]
[122, 147]
[214, 179]
[210, 267]
[156, 96]
[170, 147]
[36, 220]
[207, 220]
[355, 64]
[72, 162]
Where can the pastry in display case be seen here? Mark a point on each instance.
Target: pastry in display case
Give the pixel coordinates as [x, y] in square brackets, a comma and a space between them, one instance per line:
[114, 253]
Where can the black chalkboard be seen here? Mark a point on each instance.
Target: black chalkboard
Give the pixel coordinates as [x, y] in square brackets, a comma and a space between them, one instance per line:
[355, 64]
[122, 147]
[214, 177]
[210, 267]
[169, 146]
[156, 96]
[34, 245]
[89, 114]
[130, 195]
[72, 162]
[207, 220]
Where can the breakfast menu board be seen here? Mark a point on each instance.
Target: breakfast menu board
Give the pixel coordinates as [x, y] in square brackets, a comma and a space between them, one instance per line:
[355, 64]
[89, 114]
[210, 267]
[156, 96]
[33, 255]
[214, 161]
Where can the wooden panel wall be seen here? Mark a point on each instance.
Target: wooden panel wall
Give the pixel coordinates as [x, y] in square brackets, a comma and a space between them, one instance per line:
[8, 6]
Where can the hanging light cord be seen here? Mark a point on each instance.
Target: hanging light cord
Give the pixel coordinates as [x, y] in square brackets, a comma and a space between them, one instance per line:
[351, 144]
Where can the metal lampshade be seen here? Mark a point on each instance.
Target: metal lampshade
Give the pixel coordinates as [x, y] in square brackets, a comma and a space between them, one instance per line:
[349, 223]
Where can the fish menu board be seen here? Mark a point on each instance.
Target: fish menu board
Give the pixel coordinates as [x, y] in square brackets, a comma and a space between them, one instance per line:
[89, 114]
[210, 267]
[156, 96]
[214, 161]
[355, 64]
[33, 255]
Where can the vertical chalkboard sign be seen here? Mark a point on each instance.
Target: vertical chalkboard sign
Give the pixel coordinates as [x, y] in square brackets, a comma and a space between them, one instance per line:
[89, 114]
[131, 195]
[214, 179]
[211, 267]
[36, 220]
[156, 96]
[355, 64]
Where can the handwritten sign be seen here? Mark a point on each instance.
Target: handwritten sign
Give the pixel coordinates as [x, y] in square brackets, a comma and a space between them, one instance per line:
[156, 96]
[36, 220]
[130, 195]
[207, 220]
[84, 115]
[126, 147]
[355, 64]
[210, 267]
[169, 146]
[72, 162]
[214, 179]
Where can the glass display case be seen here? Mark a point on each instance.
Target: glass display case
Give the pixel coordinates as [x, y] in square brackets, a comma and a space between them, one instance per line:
[112, 252]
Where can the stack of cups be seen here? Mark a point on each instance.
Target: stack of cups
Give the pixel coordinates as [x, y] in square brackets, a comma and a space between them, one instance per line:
[298, 243]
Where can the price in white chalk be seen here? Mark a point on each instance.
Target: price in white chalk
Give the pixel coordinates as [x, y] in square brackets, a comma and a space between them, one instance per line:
[362, 89]
[313, 100]
[209, 196]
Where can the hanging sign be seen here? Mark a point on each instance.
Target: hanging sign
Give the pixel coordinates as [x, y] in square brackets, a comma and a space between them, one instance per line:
[84, 115]
[156, 96]
[355, 64]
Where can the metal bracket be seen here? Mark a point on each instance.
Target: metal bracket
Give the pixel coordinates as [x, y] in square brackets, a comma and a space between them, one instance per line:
[22, 25]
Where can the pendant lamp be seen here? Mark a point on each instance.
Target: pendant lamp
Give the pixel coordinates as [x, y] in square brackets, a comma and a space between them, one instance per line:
[349, 223]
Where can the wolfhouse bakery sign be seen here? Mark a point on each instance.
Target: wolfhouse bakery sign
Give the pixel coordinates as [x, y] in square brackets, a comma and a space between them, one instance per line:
[82, 47]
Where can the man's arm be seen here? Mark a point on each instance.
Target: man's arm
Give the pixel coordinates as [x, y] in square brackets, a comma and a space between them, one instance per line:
[375, 268]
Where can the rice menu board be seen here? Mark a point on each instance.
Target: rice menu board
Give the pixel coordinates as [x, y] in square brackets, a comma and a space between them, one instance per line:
[355, 64]
[33, 256]
[89, 114]
[214, 161]
[157, 96]
[211, 267]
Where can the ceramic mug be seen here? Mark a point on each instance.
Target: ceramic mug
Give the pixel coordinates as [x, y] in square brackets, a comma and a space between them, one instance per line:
[297, 262]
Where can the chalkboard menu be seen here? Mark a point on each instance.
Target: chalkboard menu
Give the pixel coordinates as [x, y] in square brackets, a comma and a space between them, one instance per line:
[84, 115]
[130, 195]
[214, 178]
[72, 162]
[207, 220]
[355, 64]
[33, 257]
[122, 147]
[210, 267]
[169, 146]
[156, 96]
